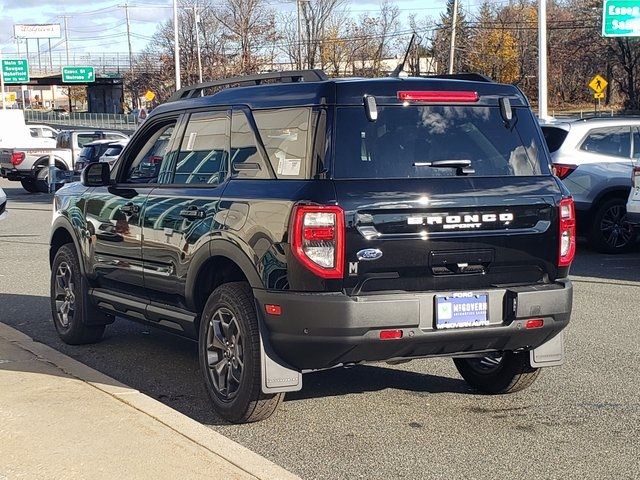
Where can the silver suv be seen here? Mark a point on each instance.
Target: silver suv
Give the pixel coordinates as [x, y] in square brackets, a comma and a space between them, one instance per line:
[594, 158]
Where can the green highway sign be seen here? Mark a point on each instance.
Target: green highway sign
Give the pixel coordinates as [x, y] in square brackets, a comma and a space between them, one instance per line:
[78, 74]
[15, 71]
[621, 18]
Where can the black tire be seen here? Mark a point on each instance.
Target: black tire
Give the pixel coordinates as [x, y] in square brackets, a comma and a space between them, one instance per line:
[42, 180]
[67, 293]
[229, 351]
[610, 232]
[29, 184]
[507, 372]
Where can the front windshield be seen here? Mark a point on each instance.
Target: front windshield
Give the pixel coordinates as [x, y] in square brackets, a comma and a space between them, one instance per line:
[406, 139]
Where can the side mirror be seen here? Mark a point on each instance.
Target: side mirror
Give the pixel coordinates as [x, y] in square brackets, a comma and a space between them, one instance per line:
[96, 174]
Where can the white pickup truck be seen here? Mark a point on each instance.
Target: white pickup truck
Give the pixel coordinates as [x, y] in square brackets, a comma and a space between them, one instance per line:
[27, 165]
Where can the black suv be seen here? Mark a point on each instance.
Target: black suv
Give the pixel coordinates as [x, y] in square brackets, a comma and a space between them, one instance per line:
[290, 222]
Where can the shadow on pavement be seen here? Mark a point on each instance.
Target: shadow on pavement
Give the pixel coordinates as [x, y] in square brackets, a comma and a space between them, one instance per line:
[622, 267]
[17, 195]
[165, 366]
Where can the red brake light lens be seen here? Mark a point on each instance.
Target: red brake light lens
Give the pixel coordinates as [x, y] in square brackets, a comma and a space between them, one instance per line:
[567, 248]
[17, 158]
[563, 171]
[317, 239]
[439, 96]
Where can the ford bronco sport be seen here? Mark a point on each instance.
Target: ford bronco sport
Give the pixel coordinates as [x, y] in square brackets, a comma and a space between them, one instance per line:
[290, 222]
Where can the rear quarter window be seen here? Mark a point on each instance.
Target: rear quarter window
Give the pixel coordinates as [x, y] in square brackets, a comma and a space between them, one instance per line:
[554, 137]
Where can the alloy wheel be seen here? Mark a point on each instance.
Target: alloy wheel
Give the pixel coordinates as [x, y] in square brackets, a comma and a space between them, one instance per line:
[64, 294]
[225, 353]
[615, 229]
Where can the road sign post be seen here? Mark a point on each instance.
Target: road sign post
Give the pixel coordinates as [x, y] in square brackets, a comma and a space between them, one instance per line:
[78, 75]
[621, 18]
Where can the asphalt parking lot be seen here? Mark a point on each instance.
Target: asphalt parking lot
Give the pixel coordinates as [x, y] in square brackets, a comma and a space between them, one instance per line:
[414, 421]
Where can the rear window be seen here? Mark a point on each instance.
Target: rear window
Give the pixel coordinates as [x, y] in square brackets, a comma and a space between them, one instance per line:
[87, 152]
[84, 138]
[113, 151]
[554, 137]
[406, 139]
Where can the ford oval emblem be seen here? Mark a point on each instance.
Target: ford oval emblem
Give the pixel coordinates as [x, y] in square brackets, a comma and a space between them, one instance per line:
[369, 254]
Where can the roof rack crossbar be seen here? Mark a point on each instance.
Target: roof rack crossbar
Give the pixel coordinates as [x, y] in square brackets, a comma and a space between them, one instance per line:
[293, 76]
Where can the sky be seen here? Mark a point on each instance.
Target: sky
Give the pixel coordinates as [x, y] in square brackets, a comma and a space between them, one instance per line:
[100, 27]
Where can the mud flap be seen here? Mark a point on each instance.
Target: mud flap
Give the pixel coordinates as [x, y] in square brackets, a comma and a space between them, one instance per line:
[276, 375]
[550, 354]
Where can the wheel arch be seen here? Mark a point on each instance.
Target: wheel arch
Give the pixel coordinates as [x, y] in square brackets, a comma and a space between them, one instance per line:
[44, 161]
[62, 233]
[618, 191]
[219, 261]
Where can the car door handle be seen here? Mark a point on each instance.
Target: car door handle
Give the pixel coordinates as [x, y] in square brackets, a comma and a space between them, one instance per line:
[130, 208]
[193, 213]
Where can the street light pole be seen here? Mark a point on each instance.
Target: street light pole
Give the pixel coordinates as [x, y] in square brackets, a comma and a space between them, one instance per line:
[196, 20]
[299, 36]
[2, 81]
[176, 44]
[454, 26]
[542, 59]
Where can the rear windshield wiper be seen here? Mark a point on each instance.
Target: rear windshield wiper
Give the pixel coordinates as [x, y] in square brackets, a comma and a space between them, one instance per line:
[463, 166]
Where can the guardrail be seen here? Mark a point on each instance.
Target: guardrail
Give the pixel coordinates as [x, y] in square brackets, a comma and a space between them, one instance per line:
[112, 121]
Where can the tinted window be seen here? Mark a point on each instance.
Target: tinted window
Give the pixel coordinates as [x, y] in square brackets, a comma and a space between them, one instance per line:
[84, 138]
[203, 153]
[614, 141]
[87, 152]
[285, 134]
[246, 160]
[636, 143]
[405, 140]
[145, 167]
[554, 137]
[64, 140]
[34, 132]
[113, 151]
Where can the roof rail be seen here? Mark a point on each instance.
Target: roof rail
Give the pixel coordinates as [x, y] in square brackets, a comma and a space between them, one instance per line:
[473, 77]
[293, 76]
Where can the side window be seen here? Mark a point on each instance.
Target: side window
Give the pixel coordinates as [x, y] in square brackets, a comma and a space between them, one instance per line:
[636, 143]
[246, 160]
[145, 166]
[614, 141]
[84, 138]
[285, 134]
[34, 132]
[204, 151]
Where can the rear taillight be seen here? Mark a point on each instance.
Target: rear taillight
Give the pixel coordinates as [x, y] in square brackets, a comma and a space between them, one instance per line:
[635, 177]
[562, 171]
[17, 158]
[317, 239]
[567, 249]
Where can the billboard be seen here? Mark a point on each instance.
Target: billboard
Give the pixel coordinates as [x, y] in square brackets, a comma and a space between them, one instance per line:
[32, 30]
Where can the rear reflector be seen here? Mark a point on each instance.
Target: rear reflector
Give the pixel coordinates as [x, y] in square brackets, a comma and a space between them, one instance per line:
[390, 334]
[438, 96]
[567, 231]
[17, 158]
[534, 323]
[562, 171]
[273, 309]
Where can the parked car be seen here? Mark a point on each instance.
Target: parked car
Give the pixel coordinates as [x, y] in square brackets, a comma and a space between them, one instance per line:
[307, 223]
[594, 158]
[633, 202]
[3, 204]
[27, 165]
[92, 152]
[113, 151]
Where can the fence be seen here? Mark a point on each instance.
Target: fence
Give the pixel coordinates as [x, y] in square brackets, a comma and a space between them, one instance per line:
[112, 121]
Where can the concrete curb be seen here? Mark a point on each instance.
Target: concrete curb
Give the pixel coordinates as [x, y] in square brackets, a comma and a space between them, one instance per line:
[218, 444]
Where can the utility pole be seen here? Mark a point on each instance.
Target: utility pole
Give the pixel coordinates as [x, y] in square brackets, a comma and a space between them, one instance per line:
[196, 21]
[454, 26]
[542, 59]
[176, 44]
[134, 100]
[66, 45]
[2, 82]
[299, 36]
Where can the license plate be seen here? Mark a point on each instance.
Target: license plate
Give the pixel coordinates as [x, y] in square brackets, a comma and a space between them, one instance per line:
[461, 310]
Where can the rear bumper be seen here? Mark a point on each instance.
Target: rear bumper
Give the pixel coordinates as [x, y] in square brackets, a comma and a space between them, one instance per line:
[11, 173]
[322, 330]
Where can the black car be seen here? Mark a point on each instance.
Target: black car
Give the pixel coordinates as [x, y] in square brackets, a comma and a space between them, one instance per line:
[91, 153]
[289, 222]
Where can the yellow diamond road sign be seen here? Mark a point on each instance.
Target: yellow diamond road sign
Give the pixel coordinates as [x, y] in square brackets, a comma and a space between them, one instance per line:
[149, 95]
[598, 84]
